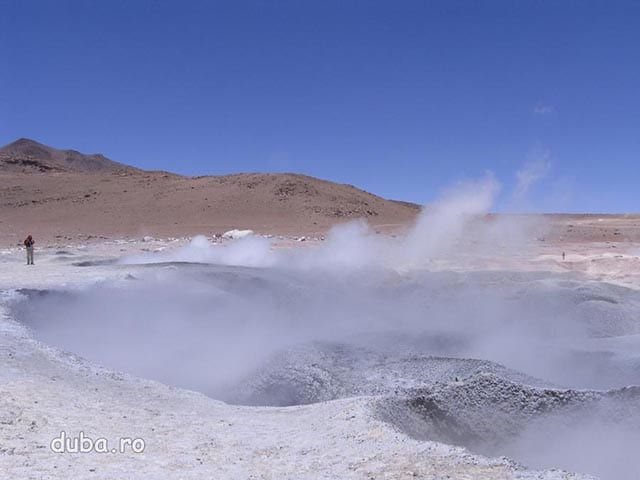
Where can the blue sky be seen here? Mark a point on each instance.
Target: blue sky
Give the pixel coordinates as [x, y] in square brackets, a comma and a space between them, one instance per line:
[401, 98]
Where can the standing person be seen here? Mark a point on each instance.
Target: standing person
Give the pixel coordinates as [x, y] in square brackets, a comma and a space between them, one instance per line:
[28, 242]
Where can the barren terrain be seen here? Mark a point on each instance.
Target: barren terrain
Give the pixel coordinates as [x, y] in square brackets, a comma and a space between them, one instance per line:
[53, 199]
[438, 343]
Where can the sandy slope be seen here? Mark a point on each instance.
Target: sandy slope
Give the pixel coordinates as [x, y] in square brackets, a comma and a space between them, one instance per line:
[62, 205]
[61, 193]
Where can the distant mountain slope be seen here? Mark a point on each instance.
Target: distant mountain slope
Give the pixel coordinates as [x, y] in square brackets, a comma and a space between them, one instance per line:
[63, 193]
[25, 155]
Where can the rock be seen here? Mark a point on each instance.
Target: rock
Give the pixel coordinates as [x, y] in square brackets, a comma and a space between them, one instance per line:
[235, 234]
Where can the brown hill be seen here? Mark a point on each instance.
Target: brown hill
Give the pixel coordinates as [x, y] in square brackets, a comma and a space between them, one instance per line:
[53, 195]
[25, 156]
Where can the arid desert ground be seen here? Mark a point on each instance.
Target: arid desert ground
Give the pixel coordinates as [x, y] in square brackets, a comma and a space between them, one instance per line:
[348, 336]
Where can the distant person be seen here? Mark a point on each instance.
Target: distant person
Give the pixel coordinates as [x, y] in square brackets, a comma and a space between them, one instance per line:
[562, 255]
[28, 243]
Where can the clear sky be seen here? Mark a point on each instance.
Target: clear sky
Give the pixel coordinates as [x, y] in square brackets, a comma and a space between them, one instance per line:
[401, 98]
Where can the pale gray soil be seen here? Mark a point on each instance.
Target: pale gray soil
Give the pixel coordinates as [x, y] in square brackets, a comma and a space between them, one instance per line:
[353, 428]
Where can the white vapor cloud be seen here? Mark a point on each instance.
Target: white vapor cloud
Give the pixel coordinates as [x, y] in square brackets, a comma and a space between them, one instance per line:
[454, 222]
[532, 171]
[543, 109]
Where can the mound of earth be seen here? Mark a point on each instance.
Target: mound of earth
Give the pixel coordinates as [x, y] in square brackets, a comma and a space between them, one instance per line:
[485, 412]
[28, 156]
[60, 194]
[328, 371]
